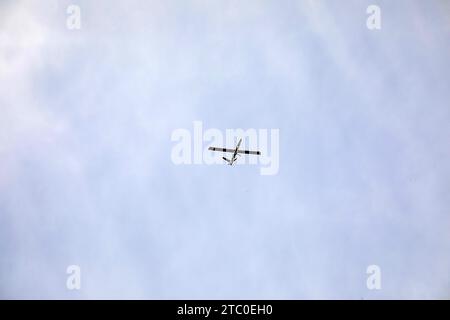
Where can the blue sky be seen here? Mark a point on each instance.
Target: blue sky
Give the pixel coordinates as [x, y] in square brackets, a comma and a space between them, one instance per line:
[86, 176]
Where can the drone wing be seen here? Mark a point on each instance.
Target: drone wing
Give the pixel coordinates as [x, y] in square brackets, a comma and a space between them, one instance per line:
[232, 151]
[249, 152]
[220, 149]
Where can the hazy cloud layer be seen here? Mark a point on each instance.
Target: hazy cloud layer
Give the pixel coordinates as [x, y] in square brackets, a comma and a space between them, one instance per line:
[86, 176]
